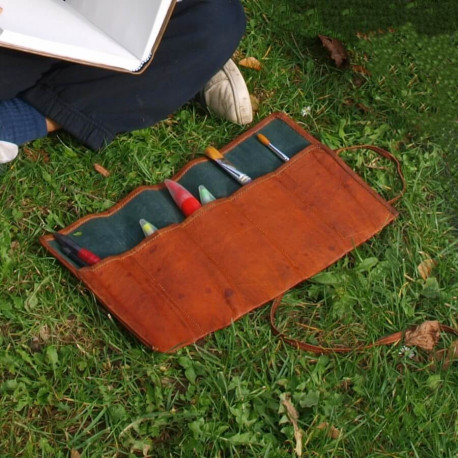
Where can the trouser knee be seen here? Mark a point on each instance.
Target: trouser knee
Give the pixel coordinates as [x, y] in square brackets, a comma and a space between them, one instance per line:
[20, 70]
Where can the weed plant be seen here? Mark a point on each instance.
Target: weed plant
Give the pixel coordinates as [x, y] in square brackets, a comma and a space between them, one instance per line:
[74, 383]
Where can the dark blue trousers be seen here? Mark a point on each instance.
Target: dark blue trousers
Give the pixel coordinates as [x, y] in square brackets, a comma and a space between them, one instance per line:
[95, 104]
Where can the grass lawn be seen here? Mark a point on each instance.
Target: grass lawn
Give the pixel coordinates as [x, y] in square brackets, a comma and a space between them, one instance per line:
[74, 383]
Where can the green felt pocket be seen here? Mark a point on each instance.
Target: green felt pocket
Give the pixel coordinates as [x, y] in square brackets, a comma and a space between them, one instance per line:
[116, 231]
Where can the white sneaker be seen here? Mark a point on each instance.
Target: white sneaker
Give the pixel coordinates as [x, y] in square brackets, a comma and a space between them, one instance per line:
[8, 151]
[227, 96]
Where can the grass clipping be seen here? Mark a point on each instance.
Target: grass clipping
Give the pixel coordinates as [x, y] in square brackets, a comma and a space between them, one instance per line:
[293, 417]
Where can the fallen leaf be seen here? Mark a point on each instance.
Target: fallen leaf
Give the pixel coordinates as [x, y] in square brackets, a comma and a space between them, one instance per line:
[360, 69]
[75, 453]
[332, 431]
[425, 268]
[170, 121]
[425, 336]
[102, 170]
[146, 449]
[14, 246]
[254, 103]
[293, 418]
[362, 36]
[45, 333]
[35, 155]
[335, 47]
[250, 62]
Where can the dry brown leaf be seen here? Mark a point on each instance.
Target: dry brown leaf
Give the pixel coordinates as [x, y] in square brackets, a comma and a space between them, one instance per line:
[75, 454]
[170, 121]
[36, 155]
[146, 450]
[425, 268]
[45, 333]
[332, 431]
[293, 417]
[14, 246]
[362, 36]
[361, 69]
[250, 62]
[254, 103]
[336, 48]
[102, 170]
[425, 336]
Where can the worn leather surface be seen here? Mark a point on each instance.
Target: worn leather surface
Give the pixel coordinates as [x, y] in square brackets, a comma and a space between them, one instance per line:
[239, 252]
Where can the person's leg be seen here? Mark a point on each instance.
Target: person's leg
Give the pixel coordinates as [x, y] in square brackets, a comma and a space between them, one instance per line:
[95, 104]
[19, 121]
[20, 71]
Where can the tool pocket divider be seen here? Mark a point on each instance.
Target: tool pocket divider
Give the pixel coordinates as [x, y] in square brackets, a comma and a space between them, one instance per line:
[197, 275]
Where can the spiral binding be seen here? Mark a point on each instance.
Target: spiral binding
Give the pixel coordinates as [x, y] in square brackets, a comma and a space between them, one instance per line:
[142, 63]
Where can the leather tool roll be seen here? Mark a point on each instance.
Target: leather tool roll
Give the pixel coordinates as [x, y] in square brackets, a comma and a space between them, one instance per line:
[197, 275]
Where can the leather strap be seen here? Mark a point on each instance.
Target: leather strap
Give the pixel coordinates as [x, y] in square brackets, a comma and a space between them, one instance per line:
[387, 340]
[386, 155]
